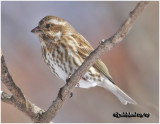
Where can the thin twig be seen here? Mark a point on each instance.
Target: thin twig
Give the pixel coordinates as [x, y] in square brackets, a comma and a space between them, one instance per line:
[8, 81]
[17, 98]
[39, 115]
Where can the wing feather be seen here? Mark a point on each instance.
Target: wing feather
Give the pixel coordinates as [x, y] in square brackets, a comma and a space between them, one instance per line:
[84, 49]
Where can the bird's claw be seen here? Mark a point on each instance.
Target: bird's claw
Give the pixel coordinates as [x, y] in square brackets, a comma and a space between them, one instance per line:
[71, 94]
[68, 79]
[60, 94]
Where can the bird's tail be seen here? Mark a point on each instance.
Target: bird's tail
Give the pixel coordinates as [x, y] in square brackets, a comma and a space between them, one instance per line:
[123, 97]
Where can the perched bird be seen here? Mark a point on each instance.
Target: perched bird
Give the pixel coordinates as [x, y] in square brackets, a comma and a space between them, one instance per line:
[64, 50]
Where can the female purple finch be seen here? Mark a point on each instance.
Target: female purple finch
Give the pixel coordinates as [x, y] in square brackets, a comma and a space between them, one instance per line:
[64, 50]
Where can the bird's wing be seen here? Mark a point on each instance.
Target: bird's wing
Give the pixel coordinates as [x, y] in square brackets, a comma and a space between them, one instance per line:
[84, 49]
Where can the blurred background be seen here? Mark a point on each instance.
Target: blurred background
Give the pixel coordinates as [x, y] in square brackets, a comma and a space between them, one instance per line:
[132, 63]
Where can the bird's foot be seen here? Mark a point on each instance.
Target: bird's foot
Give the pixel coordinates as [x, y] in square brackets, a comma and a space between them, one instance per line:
[68, 79]
[71, 94]
[60, 94]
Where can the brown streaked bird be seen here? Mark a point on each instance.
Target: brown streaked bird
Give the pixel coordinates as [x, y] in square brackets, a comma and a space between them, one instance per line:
[64, 50]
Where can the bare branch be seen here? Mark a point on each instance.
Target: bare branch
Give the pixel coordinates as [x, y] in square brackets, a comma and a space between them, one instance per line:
[8, 81]
[7, 98]
[17, 99]
[39, 115]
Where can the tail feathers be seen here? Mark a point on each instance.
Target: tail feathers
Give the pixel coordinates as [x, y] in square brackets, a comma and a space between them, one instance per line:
[123, 97]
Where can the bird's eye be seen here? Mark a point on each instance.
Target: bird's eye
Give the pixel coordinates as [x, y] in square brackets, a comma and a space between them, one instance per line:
[48, 25]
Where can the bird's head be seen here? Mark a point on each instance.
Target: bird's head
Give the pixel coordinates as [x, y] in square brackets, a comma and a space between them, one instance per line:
[51, 26]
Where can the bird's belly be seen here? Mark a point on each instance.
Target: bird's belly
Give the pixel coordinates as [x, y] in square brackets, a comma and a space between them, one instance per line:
[57, 69]
[91, 79]
[56, 66]
[63, 68]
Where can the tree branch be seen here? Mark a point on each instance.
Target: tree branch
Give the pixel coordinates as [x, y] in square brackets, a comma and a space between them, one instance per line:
[7, 98]
[17, 99]
[39, 115]
[8, 81]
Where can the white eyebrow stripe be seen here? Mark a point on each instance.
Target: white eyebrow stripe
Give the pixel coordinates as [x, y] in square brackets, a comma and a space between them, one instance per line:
[55, 21]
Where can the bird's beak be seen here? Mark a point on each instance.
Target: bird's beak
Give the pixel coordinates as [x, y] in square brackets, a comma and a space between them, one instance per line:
[36, 30]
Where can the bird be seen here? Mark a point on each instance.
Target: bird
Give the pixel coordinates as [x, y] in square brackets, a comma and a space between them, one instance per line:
[64, 50]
